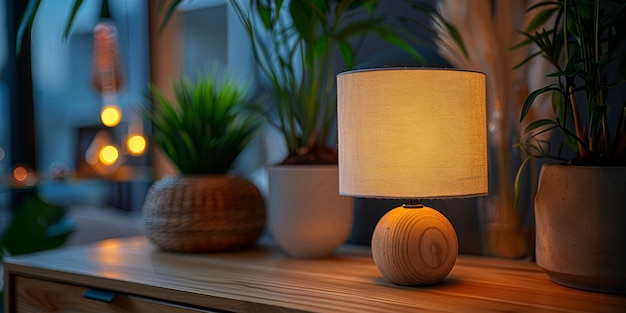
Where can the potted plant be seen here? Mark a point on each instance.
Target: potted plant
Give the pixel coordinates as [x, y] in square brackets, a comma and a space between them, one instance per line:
[579, 205]
[300, 46]
[202, 132]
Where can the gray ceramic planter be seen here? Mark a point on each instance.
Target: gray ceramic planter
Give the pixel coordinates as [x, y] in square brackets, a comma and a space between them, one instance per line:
[580, 214]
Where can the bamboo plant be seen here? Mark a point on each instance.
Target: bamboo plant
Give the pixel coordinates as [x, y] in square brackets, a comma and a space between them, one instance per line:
[586, 44]
[207, 125]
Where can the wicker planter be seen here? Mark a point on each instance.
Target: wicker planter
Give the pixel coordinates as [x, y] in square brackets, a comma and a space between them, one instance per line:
[203, 213]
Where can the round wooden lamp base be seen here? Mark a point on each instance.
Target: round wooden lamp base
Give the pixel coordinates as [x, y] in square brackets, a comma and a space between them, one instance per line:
[414, 246]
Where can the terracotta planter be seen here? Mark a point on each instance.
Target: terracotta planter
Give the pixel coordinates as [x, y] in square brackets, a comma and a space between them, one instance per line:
[203, 213]
[307, 217]
[580, 213]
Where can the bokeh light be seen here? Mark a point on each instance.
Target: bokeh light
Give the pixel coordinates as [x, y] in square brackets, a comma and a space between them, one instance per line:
[108, 155]
[136, 145]
[111, 115]
[58, 170]
[24, 175]
[20, 173]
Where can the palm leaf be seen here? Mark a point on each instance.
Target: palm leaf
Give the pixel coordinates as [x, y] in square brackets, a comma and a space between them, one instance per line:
[70, 21]
[531, 99]
[26, 23]
[169, 12]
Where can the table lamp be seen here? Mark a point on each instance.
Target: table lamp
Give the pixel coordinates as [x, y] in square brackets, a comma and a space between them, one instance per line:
[412, 134]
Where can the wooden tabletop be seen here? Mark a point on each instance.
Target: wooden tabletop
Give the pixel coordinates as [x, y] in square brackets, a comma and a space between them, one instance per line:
[265, 279]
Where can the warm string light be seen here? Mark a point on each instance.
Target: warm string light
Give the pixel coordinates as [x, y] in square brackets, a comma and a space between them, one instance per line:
[103, 156]
[106, 76]
[136, 142]
[106, 79]
[136, 145]
[108, 155]
[110, 115]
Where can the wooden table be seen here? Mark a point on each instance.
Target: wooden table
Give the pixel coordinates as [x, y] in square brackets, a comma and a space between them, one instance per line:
[135, 276]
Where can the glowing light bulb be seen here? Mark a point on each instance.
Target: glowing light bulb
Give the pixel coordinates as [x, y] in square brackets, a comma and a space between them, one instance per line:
[108, 155]
[136, 145]
[110, 115]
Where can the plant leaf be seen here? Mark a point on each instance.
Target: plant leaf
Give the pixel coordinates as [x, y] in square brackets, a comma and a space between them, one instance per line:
[539, 124]
[396, 40]
[531, 99]
[70, 21]
[540, 19]
[169, 12]
[518, 179]
[26, 22]
[35, 226]
[348, 54]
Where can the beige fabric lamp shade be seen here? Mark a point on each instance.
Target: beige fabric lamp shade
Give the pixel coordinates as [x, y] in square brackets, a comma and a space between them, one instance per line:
[412, 133]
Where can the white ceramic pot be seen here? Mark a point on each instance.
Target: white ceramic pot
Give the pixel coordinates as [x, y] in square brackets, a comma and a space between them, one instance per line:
[306, 215]
[580, 214]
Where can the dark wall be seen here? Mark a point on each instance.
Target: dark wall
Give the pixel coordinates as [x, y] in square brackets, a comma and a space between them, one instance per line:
[17, 74]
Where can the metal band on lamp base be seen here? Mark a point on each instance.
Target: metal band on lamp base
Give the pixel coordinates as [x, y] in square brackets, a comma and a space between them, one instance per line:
[414, 246]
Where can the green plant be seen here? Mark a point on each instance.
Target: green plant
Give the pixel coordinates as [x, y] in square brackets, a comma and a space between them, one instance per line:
[586, 45]
[300, 46]
[34, 226]
[206, 127]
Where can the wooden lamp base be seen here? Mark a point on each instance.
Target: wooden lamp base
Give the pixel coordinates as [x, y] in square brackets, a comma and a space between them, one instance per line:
[414, 245]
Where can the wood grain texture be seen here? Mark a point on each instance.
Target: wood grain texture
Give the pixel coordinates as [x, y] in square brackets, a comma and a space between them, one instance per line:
[414, 246]
[264, 279]
[34, 295]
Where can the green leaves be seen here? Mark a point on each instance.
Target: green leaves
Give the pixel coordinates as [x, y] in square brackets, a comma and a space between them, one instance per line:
[206, 127]
[307, 17]
[35, 226]
[583, 44]
[542, 17]
[300, 47]
[171, 8]
[70, 21]
[528, 103]
[438, 19]
[26, 23]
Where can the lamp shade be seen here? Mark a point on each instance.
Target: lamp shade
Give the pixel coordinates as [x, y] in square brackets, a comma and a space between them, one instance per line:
[412, 133]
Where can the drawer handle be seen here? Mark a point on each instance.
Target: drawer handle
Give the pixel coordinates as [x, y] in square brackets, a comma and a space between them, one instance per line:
[99, 295]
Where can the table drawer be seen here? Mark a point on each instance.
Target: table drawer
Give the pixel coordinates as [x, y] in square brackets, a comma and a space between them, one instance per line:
[33, 295]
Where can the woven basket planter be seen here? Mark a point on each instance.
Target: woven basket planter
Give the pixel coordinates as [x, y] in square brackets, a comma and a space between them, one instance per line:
[203, 213]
